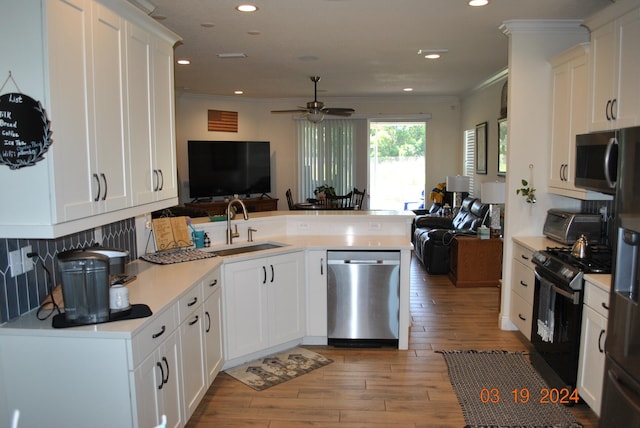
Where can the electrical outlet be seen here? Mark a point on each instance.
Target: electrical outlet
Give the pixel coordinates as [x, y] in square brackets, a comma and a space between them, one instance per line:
[15, 263]
[27, 262]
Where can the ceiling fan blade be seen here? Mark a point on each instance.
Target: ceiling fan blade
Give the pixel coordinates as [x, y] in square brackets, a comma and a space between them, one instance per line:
[290, 111]
[338, 111]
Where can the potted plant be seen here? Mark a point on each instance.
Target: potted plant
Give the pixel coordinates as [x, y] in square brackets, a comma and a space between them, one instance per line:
[324, 190]
[528, 192]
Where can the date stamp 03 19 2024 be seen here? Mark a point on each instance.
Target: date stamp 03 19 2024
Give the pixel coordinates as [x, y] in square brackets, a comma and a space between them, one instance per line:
[523, 395]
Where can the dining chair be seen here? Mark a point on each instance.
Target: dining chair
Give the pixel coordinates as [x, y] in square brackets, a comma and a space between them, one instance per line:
[339, 202]
[357, 198]
[292, 206]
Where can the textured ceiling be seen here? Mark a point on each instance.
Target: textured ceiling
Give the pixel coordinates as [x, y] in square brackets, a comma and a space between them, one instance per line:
[358, 47]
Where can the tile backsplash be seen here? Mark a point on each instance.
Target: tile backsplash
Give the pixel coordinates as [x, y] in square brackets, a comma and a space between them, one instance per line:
[24, 292]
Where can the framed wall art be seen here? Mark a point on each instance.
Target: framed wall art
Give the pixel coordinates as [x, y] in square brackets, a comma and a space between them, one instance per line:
[502, 147]
[481, 148]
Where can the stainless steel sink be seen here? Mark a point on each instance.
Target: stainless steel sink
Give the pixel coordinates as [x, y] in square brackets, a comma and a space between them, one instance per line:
[247, 249]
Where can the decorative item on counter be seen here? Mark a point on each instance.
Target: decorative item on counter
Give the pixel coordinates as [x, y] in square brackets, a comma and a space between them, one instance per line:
[207, 240]
[197, 236]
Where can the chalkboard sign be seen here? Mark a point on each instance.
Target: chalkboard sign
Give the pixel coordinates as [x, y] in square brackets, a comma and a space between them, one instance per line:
[25, 134]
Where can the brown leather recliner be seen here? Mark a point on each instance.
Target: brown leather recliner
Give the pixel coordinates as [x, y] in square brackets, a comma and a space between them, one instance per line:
[433, 234]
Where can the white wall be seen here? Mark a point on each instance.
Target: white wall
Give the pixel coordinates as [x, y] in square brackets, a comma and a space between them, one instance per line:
[256, 122]
[483, 105]
[531, 44]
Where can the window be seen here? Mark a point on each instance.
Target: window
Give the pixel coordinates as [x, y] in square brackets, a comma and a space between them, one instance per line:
[469, 167]
[396, 164]
[326, 155]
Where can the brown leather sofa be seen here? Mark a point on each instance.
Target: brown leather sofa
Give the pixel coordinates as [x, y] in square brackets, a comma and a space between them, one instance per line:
[432, 233]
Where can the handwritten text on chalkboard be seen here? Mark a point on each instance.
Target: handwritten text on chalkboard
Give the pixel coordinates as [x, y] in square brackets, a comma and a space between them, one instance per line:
[25, 133]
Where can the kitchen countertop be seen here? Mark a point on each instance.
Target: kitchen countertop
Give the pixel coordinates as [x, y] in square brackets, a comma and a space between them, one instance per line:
[158, 285]
[600, 280]
[536, 243]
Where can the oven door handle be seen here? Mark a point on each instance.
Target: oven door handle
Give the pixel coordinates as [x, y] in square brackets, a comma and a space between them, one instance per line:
[574, 297]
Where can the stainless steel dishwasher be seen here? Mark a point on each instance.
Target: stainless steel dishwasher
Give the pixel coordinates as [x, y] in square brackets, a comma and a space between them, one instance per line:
[363, 298]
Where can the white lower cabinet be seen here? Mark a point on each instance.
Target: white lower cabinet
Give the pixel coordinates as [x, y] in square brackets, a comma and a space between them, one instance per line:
[157, 386]
[316, 274]
[212, 328]
[263, 303]
[522, 288]
[592, 338]
[192, 349]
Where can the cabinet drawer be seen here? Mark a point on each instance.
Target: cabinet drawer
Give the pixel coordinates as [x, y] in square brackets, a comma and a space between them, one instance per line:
[211, 283]
[522, 254]
[154, 334]
[521, 314]
[189, 302]
[597, 299]
[523, 281]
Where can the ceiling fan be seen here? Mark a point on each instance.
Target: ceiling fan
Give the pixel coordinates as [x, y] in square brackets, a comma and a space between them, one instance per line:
[315, 109]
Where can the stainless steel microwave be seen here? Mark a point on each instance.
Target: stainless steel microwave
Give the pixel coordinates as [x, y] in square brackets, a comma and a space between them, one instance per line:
[596, 165]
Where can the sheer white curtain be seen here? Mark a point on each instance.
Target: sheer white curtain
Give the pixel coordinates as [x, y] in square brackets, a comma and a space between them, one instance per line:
[326, 155]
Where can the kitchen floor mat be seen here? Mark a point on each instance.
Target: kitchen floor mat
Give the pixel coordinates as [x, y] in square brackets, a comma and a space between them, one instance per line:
[502, 389]
[269, 371]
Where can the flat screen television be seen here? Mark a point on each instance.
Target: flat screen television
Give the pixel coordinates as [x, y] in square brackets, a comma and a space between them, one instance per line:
[225, 168]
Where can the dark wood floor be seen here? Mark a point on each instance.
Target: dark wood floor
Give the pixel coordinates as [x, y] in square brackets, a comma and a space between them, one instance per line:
[380, 387]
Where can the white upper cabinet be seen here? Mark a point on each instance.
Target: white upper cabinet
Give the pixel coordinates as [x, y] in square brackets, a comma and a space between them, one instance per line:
[568, 118]
[78, 62]
[615, 67]
[109, 144]
[151, 113]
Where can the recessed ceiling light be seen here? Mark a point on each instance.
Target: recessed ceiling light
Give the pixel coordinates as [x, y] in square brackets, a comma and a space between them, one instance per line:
[246, 8]
[184, 62]
[478, 2]
[408, 89]
[238, 92]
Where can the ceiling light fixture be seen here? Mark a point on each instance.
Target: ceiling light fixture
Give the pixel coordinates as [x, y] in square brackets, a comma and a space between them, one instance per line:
[246, 8]
[478, 2]
[408, 89]
[232, 55]
[432, 53]
[183, 62]
[238, 92]
[315, 117]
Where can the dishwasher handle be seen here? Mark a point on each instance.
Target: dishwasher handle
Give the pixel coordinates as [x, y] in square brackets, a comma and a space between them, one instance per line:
[363, 262]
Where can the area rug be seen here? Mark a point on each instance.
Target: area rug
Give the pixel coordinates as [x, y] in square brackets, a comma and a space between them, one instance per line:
[502, 389]
[275, 369]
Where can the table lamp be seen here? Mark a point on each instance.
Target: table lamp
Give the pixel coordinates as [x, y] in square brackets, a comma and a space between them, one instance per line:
[457, 184]
[493, 193]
